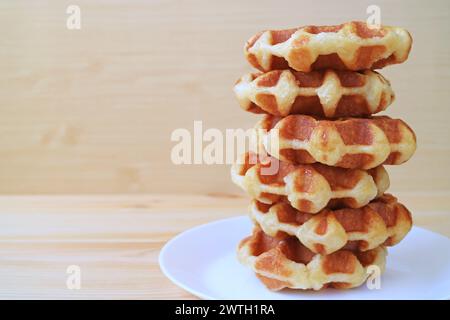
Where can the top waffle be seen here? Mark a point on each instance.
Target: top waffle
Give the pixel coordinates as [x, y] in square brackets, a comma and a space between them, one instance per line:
[349, 46]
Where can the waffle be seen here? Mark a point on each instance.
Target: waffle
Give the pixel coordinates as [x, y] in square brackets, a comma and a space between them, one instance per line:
[308, 188]
[283, 262]
[326, 93]
[383, 221]
[346, 143]
[349, 46]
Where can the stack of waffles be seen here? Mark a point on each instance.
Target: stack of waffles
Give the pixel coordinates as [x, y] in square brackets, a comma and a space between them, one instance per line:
[322, 218]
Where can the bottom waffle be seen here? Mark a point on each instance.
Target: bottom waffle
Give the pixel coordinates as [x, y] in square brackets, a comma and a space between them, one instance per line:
[283, 262]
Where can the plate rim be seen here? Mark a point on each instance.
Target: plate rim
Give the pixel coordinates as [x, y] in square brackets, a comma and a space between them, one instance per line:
[163, 251]
[167, 245]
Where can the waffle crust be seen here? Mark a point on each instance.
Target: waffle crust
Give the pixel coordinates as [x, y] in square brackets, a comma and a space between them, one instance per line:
[308, 188]
[362, 143]
[349, 46]
[326, 93]
[283, 262]
[384, 221]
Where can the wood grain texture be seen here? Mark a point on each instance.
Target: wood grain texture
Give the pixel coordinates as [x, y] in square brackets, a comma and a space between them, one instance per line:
[91, 111]
[116, 240]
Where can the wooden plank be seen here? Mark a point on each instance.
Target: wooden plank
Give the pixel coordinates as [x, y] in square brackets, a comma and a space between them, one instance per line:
[116, 240]
[92, 110]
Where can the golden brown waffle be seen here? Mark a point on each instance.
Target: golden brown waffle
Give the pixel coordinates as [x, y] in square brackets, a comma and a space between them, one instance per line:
[325, 93]
[346, 143]
[283, 262]
[308, 188]
[349, 46]
[383, 221]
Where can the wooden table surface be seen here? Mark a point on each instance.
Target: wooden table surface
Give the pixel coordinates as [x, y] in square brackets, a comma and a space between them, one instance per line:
[116, 240]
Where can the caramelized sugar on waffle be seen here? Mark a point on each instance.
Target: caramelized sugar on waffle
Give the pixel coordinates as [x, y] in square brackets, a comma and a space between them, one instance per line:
[308, 188]
[348, 143]
[383, 221]
[349, 46]
[326, 93]
[283, 262]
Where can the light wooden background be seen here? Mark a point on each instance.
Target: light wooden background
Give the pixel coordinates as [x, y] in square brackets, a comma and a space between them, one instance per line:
[91, 111]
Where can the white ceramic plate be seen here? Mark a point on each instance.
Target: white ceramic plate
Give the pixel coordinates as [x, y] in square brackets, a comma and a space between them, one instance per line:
[203, 261]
